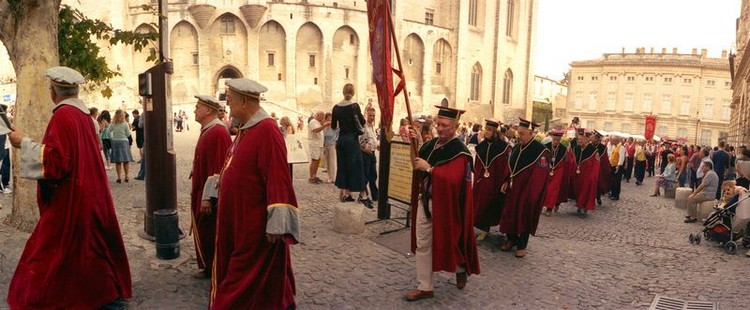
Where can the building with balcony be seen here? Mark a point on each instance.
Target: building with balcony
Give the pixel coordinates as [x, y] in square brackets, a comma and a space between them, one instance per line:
[475, 53]
[689, 93]
[739, 133]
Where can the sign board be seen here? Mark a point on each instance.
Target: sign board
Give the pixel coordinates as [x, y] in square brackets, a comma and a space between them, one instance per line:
[6, 97]
[296, 150]
[401, 170]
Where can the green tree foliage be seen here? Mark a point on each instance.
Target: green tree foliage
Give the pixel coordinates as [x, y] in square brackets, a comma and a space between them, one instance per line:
[79, 43]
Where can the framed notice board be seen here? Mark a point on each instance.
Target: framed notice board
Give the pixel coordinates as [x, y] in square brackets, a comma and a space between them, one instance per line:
[401, 170]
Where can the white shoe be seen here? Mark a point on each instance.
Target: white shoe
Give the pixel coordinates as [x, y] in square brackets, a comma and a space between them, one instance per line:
[7, 191]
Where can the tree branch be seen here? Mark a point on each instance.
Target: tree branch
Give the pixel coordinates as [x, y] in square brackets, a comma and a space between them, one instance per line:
[7, 23]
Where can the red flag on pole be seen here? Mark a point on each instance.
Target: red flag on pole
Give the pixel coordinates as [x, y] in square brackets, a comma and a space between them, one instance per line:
[380, 49]
[650, 127]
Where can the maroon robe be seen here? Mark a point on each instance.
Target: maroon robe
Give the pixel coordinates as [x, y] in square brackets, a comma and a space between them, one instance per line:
[586, 176]
[255, 186]
[605, 171]
[75, 257]
[488, 200]
[529, 173]
[453, 240]
[557, 186]
[210, 154]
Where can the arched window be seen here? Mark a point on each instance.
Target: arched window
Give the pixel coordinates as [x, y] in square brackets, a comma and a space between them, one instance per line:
[476, 82]
[510, 20]
[473, 12]
[508, 86]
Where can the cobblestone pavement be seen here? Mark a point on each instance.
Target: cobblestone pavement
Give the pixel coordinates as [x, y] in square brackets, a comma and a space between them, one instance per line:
[619, 258]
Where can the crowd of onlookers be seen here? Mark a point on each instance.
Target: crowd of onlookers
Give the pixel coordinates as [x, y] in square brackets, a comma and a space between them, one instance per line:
[116, 140]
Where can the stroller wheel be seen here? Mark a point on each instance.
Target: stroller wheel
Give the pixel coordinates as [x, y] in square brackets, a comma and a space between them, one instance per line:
[697, 239]
[691, 238]
[730, 247]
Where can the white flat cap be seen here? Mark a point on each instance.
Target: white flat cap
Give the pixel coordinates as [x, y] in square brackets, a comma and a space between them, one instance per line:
[209, 102]
[246, 87]
[65, 77]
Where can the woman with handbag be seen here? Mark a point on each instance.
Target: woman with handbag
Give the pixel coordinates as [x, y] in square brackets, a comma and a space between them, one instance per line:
[347, 117]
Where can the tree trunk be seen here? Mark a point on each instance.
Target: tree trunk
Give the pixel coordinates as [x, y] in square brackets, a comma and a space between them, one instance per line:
[29, 31]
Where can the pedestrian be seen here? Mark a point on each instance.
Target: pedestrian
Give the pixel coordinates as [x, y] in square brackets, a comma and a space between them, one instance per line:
[681, 162]
[706, 191]
[142, 171]
[121, 156]
[743, 167]
[286, 127]
[491, 171]
[257, 214]
[694, 164]
[442, 232]
[606, 179]
[106, 136]
[584, 181]
[179, 120]
[663, 156]
[667, 178]
[347, 117]
[640, 163]
[650, 158]
[75, 257]
[330, 136]
[720, 160]
[559, 174]
[209, 158]
[368, 143]
[138, 128]
[629, 160]
[315, 137]
[617, 156]
[525, 189]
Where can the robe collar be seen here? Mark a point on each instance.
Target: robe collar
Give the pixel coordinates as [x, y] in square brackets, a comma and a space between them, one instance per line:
[345, 103]
[74, 102]
[213, 123]
[523, 156]
[436, 156]
[558, 155]
[255, 119]
[495, 150]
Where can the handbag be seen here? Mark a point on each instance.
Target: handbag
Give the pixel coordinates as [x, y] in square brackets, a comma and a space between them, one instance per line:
[358, 128]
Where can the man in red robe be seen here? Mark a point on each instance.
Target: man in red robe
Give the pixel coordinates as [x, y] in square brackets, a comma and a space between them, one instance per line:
[210, 153]
[75, 257]
[606, 181]
[558, 175]
[256, 216]
[586, 173]
[442, 228]
[491, 171]
[525, 189]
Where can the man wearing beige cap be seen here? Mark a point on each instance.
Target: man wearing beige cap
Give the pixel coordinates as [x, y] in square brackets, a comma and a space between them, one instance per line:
[210, 153]
[75, 257]
[256, 216]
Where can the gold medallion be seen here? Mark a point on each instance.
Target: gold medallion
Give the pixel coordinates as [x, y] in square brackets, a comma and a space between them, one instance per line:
[551, 173]
[578, 170]
[486, 174]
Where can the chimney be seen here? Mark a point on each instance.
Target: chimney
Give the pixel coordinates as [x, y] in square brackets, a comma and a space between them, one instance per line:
[674, 51]
[695, 51]
[663, 50]
[704, 52]
[723, 54]
[652, 50]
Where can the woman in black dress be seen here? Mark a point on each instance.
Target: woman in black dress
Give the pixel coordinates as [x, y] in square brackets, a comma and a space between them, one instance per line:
[350, 177]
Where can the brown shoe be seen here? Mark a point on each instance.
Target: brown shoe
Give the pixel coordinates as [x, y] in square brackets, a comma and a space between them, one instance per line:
[506, 246]
[417, 295]
[461, 278]
[203, 274]
[520, 253]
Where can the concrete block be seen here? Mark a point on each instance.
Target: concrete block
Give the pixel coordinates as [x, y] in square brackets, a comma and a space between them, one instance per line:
[705, 208]
[681, 196]
[670, 191]
[349, 218]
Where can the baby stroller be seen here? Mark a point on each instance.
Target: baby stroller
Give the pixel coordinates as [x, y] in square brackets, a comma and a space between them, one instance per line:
[727, 226]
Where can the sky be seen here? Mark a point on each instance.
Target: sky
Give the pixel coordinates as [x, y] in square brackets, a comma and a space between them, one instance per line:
[572, 30]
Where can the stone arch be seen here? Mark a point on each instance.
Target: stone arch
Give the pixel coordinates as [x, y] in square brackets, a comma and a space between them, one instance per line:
[225, 73]
[227, 45]
[309, 65]
[184, 53]
[413, 56]
[443, 68]
[344, 58]
[272, 58]
[140, 64]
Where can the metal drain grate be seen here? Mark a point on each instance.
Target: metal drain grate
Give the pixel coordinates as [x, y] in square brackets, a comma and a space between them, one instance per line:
[667, 303]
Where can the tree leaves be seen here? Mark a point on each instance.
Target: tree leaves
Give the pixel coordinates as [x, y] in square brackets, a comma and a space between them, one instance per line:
[80, 40]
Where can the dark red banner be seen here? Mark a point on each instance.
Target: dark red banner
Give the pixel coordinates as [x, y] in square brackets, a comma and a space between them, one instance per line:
[380, 49]
[650, 127]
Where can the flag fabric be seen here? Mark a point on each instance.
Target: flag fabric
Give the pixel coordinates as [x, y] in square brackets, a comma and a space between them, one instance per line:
[650, 127]
[380, 49]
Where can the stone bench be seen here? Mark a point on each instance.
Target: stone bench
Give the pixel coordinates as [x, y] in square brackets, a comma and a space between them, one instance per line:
[670, 190]
[349, 218]
[705, 208]
[681, 197]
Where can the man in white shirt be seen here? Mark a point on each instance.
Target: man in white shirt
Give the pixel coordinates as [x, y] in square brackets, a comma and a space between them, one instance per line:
[315, 136]
[368, 142]
[706, 158]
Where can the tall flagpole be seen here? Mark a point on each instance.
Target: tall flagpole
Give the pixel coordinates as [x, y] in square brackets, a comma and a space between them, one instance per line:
[401, 76]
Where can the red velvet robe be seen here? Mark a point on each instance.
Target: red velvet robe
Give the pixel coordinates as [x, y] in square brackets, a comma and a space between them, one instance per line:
[529, 173]
[488, 201]
[605, 171]
[453, 240]
[557, 186]
[250, 272]
[75, 257]
[585, 182]
[210, 154]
